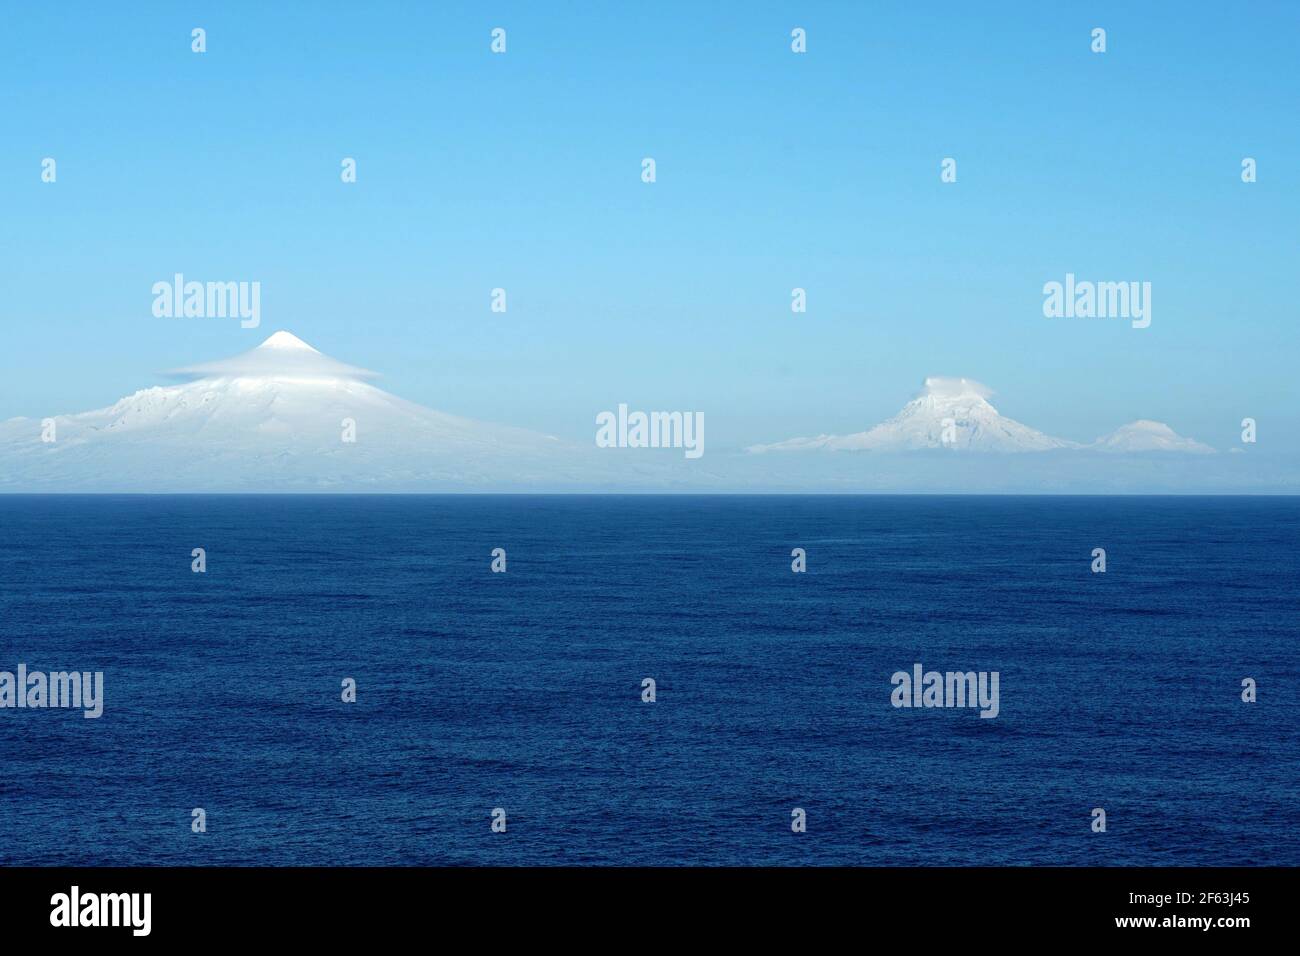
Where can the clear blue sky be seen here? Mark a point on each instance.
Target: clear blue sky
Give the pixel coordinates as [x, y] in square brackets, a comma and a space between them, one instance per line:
[775, 170]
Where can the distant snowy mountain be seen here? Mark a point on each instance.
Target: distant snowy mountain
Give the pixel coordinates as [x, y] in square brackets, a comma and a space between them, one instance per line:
[274, 418]
[1144, 435]
[954, 413]
[277, 419]
[949, 413]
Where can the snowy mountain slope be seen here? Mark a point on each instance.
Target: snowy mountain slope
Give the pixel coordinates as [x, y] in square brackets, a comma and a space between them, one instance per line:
[273, 419]
[1145, 435]
[959, 404]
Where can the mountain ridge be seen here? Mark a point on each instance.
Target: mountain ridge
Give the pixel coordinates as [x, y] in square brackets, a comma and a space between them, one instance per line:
[954, 414]
[284, 417]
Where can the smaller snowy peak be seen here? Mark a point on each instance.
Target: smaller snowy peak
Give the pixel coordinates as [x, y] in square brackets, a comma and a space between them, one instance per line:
[282, 357]
[1146, 435]
[950, 414]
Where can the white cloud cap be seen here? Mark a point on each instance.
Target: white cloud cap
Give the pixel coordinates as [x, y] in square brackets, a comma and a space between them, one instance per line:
[283, 356]
[942, 387]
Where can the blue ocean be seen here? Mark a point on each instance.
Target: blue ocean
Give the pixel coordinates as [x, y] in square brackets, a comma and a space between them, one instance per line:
[523, 690]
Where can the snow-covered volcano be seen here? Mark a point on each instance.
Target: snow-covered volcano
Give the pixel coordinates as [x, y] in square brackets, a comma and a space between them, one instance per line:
[1146, 435]
[275, 418]
[947, 413]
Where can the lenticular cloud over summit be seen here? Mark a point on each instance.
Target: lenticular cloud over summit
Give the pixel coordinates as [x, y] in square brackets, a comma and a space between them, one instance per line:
[282, 356]
[954, 387]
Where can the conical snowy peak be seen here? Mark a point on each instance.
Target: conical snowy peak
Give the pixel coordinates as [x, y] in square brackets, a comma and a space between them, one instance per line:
[286, 340]
[948, 413]
[281, 416]
[282, 357]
